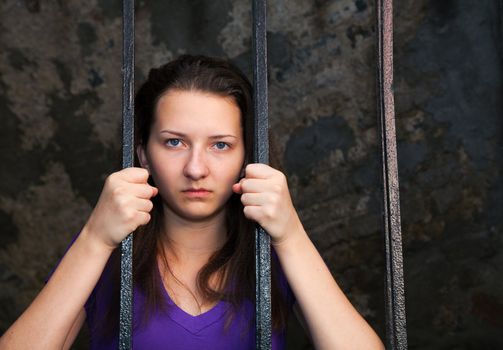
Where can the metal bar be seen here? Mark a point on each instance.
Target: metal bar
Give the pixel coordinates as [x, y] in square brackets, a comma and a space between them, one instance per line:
[126, 287]
[499, 39]
[396, 331]
[261, 150]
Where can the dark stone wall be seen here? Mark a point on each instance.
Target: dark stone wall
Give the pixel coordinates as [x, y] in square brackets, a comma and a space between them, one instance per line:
[60, 108]
[449, 109]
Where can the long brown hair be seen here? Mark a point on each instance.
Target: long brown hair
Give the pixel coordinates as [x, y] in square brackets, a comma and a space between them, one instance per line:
[235, 260]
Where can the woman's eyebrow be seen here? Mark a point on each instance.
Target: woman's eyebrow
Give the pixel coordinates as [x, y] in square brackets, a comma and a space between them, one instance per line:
[173, 132]
[222, 136]
[211, 137]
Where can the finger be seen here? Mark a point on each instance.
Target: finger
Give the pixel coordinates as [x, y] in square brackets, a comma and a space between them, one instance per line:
[143, 217]
[142, 190]
[236, 188]
[252, 212]
[135, 174]
[259, 171]
[255, 199]
[255, 185]
[143, 205]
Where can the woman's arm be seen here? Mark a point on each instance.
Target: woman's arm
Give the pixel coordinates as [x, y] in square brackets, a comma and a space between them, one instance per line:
[331, 319]
[53, 319]
[74, 331]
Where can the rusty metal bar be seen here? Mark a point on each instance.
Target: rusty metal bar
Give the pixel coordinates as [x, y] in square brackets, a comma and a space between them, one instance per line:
[126, 287]
[261, 150]
[396, 331]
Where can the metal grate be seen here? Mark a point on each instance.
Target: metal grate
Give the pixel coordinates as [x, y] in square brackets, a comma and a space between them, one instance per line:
[395, 296]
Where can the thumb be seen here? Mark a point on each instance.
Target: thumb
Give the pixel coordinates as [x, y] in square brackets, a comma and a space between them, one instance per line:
[237, 188]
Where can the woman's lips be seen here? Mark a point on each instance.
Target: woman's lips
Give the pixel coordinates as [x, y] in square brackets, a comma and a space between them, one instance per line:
[197, 193]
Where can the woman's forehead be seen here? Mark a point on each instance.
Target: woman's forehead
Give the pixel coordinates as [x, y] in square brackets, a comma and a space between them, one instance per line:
[197, 110]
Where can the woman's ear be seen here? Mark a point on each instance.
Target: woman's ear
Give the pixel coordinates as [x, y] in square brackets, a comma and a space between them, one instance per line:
[142, 157]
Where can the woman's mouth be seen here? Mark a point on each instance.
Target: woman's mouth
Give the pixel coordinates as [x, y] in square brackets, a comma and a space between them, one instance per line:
[196, 192]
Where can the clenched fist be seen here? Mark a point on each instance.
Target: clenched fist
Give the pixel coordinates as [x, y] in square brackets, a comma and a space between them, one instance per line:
[266, 199]
[124, 204]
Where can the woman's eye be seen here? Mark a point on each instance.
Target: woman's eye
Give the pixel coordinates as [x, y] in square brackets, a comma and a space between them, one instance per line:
[221, 145]
[173, 142]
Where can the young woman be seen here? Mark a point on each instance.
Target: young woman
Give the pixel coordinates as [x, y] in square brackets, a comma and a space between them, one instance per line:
[193, 201]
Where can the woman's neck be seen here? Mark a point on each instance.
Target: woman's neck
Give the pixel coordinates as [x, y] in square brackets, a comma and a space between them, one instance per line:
[187, 240]
[188, 245]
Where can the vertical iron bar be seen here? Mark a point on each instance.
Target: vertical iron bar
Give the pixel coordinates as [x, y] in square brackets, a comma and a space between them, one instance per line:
[499, 39]
[396, 332]
[261, 149]
[126, 287]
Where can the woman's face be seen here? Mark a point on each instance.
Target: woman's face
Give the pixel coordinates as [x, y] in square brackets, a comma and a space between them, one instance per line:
[195, 152]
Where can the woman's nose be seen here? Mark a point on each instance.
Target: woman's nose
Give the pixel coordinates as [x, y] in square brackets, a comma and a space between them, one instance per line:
[196, 167]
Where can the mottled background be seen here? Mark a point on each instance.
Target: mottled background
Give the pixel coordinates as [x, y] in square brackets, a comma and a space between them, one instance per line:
[60, 110]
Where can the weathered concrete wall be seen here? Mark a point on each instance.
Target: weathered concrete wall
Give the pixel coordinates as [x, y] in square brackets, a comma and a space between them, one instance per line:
[449, 105]
[60, 108]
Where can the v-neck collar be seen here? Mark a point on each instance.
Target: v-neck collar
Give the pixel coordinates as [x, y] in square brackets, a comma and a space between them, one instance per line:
[193, 324]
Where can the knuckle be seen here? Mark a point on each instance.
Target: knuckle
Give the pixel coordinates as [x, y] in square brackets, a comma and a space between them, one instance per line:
[129, 215]
[145, 191]
[248, 212]
[121, 200]
[117, 191]
[270, 212]
[110, 179]
[142, 171]
[250, 168]
[145, 218]
[274, 199]
[121, 174]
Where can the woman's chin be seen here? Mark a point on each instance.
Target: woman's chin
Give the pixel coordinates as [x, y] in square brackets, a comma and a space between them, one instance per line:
[201, 216]
[197, 212]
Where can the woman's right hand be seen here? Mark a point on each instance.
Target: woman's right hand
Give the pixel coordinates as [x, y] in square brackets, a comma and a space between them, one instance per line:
[124, 204]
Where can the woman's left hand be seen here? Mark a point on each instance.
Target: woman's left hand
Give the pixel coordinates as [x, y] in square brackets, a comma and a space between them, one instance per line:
[266, 199]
